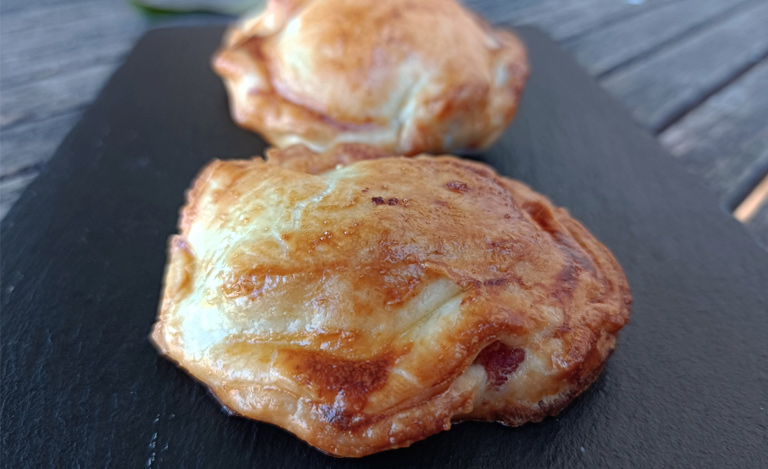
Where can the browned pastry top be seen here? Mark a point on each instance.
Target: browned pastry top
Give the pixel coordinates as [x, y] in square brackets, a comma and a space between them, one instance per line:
[363, 302]
[407, 76]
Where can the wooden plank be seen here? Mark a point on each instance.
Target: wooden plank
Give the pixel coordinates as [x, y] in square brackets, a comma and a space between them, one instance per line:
[22, 72]
[59, 59]
[725, 140]
[11, 189]
[33, 143]
[493, 10]
[53, 96]
[55, 59]
[758, 226]
[570, 19]
[37, 48]
[14, 6]
[229, 7]
[607, 48]
[496, 11]
[668, 84]
[59, 16]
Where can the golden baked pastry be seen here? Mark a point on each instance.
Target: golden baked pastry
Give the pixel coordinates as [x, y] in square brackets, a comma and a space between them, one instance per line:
[406, 76]
[365, 302]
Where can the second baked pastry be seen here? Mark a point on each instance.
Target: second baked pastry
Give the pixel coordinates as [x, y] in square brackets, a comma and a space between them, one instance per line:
[407, 77]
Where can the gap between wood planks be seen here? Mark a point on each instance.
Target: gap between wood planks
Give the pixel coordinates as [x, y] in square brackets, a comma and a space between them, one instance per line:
[752, 204]
[570, 21]
[756, 197]
[738, 73]
[681, 75]
[693, 29]
[632, 10]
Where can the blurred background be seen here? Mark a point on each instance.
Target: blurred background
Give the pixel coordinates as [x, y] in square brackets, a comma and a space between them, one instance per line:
[694, 73]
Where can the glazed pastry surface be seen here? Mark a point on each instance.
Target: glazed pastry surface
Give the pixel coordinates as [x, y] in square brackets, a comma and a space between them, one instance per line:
[364, 301]
[406, 76]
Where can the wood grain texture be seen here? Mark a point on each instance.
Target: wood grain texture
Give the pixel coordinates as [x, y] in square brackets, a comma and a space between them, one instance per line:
[497, 11]
[56, 57]
[53, 95]
[52, 42]
[668, 84]
[11, 189]
[605, 49]
[39, 36]
[25, 66]
[31, 144]
[12, 6]
[725, 140]
[567, 19]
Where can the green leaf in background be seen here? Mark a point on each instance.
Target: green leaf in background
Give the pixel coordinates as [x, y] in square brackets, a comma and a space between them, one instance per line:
[165, 8]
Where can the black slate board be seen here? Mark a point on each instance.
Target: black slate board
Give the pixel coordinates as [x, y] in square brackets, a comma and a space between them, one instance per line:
[84, 248]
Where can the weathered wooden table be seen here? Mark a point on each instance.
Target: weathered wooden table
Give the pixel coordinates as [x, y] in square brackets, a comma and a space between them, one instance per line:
[693, 72]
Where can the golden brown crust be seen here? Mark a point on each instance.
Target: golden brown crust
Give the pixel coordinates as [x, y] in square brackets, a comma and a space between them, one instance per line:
[365, 302]
[408, 77]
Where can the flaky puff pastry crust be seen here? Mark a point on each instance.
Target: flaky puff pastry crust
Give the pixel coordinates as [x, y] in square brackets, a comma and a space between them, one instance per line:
[407, 76]
[365, 302]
